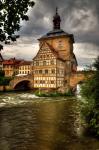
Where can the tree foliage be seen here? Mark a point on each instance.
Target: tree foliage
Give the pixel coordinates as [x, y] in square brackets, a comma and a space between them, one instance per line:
[4, 80]
[11, 12]
[90, 109]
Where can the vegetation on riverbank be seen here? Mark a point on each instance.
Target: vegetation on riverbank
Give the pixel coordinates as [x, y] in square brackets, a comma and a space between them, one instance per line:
[90, 107]
[53, 94]
[4, 80]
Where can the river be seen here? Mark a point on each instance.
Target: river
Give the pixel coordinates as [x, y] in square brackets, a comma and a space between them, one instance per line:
[31, 123]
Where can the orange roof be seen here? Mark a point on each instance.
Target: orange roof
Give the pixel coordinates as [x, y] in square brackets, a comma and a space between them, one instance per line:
[11, 61]
[25, 63]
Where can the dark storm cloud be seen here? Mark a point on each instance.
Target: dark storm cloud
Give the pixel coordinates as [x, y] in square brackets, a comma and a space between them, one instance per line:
[79, 17]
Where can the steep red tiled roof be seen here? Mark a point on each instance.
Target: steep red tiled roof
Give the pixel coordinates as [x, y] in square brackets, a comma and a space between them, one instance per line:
[55, 52]
[11, 61]
[25, 63]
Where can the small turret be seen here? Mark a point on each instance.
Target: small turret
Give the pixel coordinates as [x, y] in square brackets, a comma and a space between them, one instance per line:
[56, 20]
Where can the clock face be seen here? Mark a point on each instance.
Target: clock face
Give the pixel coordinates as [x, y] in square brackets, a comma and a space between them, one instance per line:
[60, 44]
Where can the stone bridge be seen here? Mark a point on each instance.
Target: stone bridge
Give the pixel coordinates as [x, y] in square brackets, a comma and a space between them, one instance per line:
[18, 81]
[79, 77]
[27, 81]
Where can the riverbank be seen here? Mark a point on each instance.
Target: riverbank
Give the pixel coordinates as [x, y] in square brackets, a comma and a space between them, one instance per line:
[7, 89]
[54, 94]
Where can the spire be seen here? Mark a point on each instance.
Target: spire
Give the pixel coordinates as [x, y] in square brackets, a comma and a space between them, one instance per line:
[56, 20]
[56, 10]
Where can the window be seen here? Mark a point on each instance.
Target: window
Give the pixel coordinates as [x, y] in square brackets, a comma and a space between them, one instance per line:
[58, 71]
[44, 63]
[42, 82]
[40, 71]
[52, 62]
[36, 71]
[41, 56]
[60, 44]
[37, 63]
[36, 81]
[46, 71]
[52, 82]
[53, 71]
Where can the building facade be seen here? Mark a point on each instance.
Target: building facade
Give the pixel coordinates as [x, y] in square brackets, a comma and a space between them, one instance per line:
[25, 68]
[55, 60]
[11, 67]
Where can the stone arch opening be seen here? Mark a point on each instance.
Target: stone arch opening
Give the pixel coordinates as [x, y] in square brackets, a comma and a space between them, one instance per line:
[23, 85]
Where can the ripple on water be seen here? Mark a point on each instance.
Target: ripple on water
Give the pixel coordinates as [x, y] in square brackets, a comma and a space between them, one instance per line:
[16, 98]
[33, 123]
[28, 96]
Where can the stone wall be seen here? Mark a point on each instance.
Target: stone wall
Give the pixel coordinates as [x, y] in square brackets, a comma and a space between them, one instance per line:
[5, 88]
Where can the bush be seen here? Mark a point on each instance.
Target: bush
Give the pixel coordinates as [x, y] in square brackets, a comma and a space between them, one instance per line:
[90, 108]
[53, 94]
[2, 73]
[4, 80]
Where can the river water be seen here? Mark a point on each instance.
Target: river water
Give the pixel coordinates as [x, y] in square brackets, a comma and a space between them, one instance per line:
[31, 123]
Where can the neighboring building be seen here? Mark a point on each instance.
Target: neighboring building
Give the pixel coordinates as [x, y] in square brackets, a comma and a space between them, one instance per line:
[11, 67]
[24, 68]
[1, 62]
[55, 60]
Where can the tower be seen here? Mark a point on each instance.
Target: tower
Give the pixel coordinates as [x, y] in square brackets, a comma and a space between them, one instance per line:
[60, 40]
[55, 59]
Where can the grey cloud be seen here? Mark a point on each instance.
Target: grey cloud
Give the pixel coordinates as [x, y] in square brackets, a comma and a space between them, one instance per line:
[77, 16]
[80, 17]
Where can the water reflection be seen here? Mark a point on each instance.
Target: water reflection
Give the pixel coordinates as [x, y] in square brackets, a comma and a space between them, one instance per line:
[42, 125]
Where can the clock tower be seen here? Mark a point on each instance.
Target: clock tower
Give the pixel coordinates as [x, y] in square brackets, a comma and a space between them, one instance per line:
[55, 60]
[60, 40]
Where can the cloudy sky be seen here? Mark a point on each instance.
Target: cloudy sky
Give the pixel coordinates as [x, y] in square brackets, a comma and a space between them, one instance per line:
[79, 17]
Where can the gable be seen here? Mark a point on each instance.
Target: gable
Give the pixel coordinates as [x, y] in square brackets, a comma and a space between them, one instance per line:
[45, 52]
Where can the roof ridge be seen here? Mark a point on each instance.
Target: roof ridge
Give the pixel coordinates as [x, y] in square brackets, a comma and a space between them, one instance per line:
[55, 52]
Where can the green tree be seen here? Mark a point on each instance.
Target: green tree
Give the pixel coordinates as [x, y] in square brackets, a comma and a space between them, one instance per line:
[2, 73]
[11, 13]
[4, 80]
[90, 109]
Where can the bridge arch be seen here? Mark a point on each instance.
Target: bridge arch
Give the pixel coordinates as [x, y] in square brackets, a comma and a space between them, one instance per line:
[22, 83]
[77, 79]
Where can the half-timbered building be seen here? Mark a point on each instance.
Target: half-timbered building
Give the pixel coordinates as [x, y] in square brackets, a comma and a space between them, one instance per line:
[55, 60]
